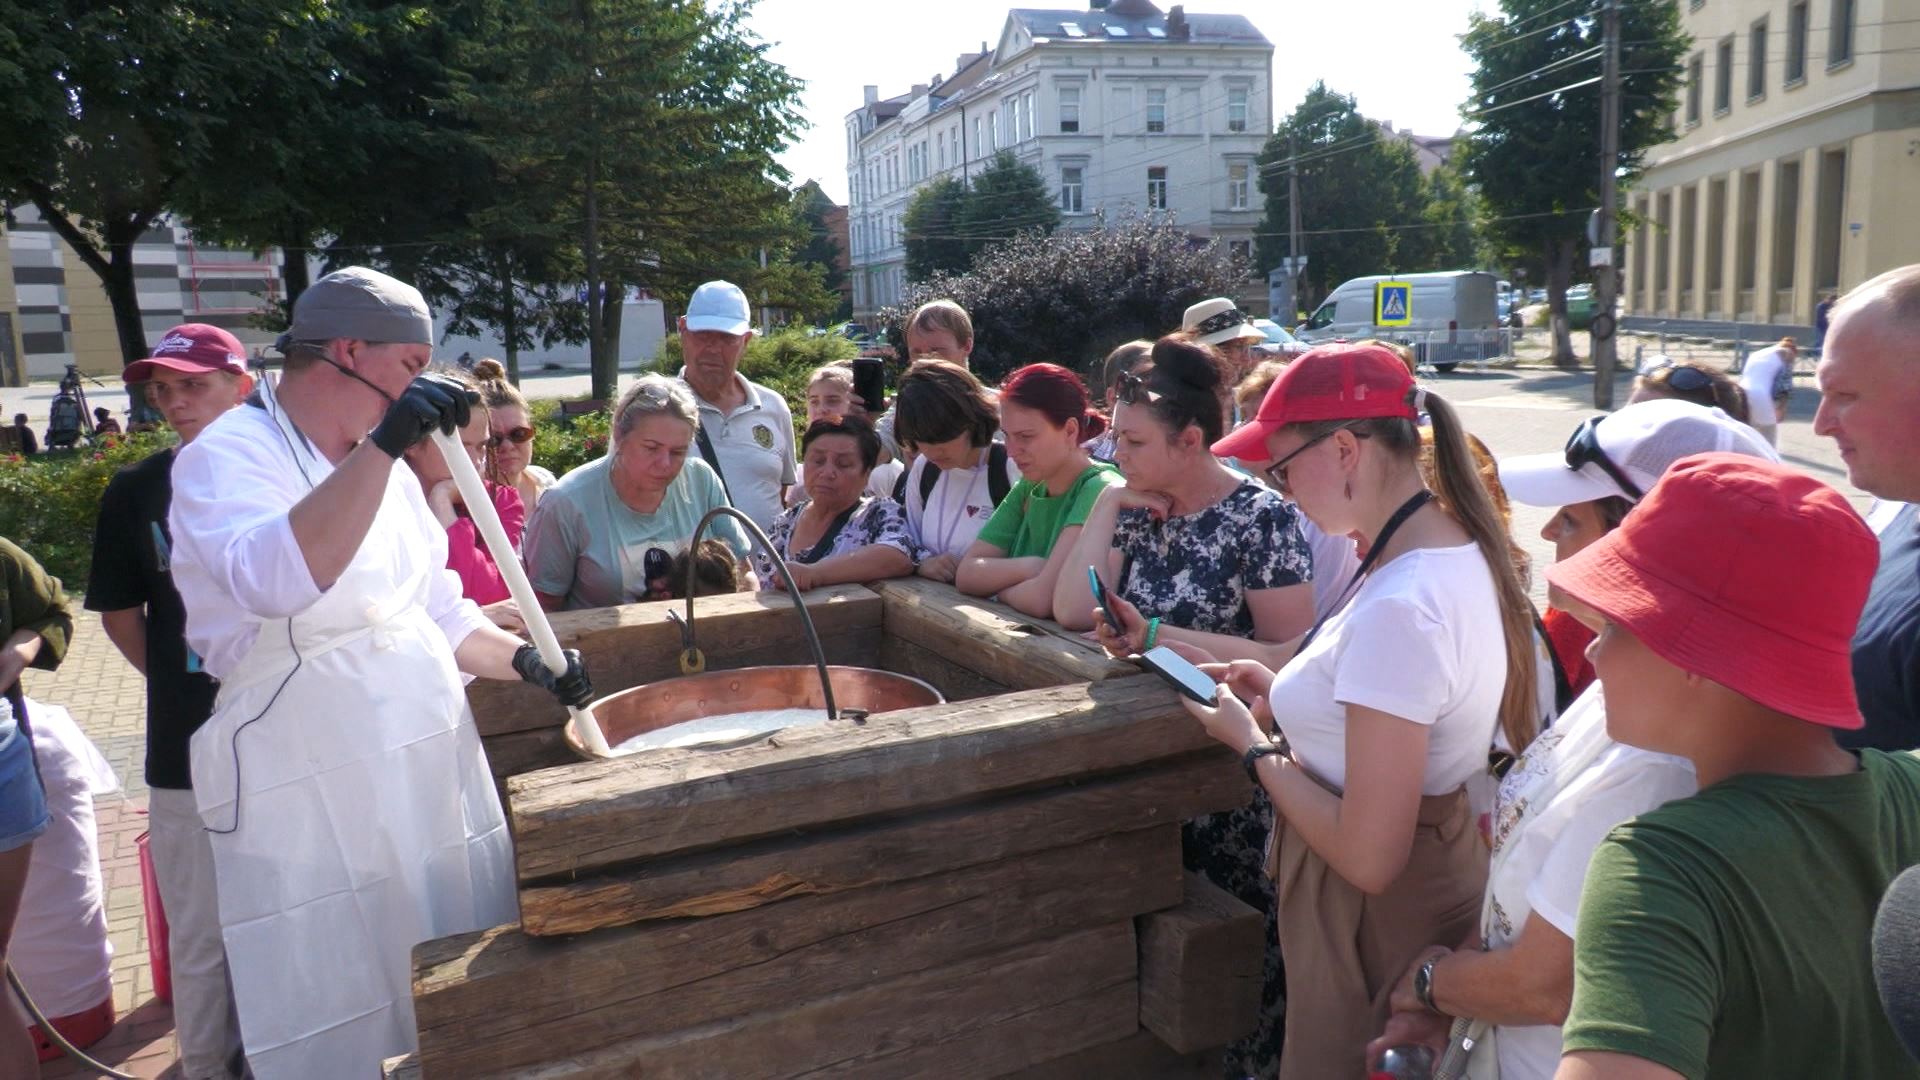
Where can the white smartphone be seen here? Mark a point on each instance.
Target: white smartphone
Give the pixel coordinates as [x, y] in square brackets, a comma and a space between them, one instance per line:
[1183, 676]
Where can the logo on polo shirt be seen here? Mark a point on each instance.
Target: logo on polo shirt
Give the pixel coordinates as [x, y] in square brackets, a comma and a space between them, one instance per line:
[763, 435]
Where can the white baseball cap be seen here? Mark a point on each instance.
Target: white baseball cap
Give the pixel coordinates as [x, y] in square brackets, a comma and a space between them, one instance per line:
[721, 306]
[1638, 443]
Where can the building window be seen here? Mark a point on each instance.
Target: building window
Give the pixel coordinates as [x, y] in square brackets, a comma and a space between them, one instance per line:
[1072, 189]
[1695, 75]
[1157, 187]
[1723, 77]
[940, 150]
[993, 130]
[1237, 185]
[1797, 43]
[1156, 111]
[1840, 33]
[1029, 102]
[1069, 109]
[979, 137]
[1236, 108]
[1757, 61]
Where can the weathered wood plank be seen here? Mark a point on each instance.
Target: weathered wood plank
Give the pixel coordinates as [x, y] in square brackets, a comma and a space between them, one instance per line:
[978, 634]
[502, 999]
[1140, 1056]
[987, 1015]
[955, 682]
[524, 751]
[894, 849]
[596, 815]
[635, 643]
[1201, 968]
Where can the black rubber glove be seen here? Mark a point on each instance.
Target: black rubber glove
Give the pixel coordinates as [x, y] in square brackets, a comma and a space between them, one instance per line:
[429, 402]
[573, 688]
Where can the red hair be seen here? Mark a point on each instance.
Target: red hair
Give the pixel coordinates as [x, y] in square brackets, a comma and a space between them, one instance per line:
[1056, 393]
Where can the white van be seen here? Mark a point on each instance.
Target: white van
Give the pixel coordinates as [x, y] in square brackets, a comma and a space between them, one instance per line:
[1454, 316]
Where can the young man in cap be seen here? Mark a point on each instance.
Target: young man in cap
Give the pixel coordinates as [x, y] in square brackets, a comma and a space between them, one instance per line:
[341, 779]
[194, 376]
[1221, 324]
[1726, 934]
[746, 430]
[1869, 379]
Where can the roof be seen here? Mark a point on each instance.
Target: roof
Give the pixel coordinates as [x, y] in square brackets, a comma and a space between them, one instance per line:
[1128, 23]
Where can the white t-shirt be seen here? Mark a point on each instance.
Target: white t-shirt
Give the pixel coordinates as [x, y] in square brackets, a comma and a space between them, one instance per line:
[1560, 799]
[1335, 559]
[1757, 379]
[755, 446]
[1419, 640]
[950, 517]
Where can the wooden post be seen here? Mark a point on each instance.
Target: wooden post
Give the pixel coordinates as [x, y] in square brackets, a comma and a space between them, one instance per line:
[1201, 968]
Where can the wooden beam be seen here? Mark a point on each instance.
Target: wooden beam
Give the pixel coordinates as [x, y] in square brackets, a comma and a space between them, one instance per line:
[992, 639]
[635, 643]
[502, 999]
[596, 815]
[1201, 968]
[836, 860]
[954, 681]
[524, 751]
[1140, 1056]
[982, 1017]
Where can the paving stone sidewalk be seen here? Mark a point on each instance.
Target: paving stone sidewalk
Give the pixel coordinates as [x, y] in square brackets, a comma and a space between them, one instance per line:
[107, 697]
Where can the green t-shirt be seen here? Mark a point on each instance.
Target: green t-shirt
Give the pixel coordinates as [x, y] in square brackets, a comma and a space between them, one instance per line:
[1728, 934]
[1029, 520]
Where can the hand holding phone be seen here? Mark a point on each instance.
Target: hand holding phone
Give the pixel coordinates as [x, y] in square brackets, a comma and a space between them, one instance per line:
[1100, 597]
[870, 383]
[1180, 674]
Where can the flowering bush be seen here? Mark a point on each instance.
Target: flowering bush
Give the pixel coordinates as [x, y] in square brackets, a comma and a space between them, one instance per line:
[566, 444]
[49, 502]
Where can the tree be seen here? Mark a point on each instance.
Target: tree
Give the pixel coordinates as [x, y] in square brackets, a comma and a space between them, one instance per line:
[932, 224]
[1533, 146]
[822, 246]
[1360, 191]
[1451, 240]
[1007, 199]
[1069, 297]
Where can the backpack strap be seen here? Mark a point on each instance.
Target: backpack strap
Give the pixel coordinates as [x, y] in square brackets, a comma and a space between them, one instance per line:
[900, 488]
[997, 483]
[929, 476]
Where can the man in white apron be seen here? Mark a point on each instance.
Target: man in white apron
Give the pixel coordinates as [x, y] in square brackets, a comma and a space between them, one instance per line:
[341, 778]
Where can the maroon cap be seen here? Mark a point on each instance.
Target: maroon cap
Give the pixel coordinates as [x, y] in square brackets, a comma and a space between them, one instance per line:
[1743, 571]
[1332, 382]
[191, 347]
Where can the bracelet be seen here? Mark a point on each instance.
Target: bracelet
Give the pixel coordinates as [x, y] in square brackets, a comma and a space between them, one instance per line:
[1153, 633]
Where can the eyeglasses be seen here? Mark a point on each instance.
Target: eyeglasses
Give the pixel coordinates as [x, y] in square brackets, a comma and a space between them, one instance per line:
[1583, 448]
[1682, 377]
[1277, 472]
[517, 436]
[1131, 389]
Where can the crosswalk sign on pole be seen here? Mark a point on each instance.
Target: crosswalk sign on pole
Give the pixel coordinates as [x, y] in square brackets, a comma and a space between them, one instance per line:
[1393, 303]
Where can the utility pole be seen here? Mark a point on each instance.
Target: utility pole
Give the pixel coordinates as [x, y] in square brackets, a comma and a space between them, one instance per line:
[1296, 259]
[1605, 257]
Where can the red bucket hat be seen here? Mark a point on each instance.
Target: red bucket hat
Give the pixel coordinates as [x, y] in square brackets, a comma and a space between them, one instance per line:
[191, 347]
[1333, 382]
[1742, 571]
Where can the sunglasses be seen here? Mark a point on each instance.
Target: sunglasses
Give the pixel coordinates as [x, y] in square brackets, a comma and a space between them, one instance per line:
[517, 436]
[1277, 472]
[1684, 378]
[1583, 448]
[1132, 389]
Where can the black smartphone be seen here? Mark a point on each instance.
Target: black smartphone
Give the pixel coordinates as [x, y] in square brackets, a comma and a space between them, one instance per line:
[870, 382]
[1180, 674]
[1100, 597]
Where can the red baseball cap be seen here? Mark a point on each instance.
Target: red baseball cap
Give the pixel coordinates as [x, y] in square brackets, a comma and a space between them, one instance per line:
[1344, 381]
[1742, 571]
[191, 347]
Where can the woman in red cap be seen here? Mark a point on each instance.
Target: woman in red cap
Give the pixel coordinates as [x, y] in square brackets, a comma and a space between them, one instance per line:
[1727, 933]
[1389, 705]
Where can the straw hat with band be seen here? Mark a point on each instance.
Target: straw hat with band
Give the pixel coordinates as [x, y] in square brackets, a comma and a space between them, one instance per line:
[1718, 610]
[1218, 321]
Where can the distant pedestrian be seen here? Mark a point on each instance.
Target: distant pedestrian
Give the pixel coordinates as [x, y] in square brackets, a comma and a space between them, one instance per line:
[1768, 380]
[104, 423]
[29, 443]
[1822, 318]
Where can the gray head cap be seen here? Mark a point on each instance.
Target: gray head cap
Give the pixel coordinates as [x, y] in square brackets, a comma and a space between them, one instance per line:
[363, 305]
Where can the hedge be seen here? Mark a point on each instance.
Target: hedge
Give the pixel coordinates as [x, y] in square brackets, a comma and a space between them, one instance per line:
[49, 502]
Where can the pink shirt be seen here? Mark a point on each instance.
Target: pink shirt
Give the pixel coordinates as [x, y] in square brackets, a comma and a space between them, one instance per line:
[467, 554]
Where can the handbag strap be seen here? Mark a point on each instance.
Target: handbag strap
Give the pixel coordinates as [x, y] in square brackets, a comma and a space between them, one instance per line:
[712, 458]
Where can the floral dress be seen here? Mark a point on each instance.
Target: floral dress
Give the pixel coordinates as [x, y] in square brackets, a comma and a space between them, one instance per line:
[1195, 571]
[870, 521]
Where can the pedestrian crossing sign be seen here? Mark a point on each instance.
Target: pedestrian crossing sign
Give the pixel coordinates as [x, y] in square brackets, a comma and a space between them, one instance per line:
[1392, 303]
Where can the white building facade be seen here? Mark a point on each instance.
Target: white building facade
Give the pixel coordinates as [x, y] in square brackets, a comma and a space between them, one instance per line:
[1119, 108]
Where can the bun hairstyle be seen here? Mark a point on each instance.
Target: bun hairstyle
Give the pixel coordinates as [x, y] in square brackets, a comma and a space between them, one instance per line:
[1056, 393]
[1185, 385]
[490, 378]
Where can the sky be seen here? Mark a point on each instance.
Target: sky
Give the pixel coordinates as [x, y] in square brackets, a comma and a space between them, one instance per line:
[1400, 58]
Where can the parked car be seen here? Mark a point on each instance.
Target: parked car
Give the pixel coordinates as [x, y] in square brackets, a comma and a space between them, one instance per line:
[1279, 343]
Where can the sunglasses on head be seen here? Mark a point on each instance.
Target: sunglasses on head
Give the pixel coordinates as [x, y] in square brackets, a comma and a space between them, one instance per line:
[1583, 448]
[1131, 389]
[1277, 472]
[517, 436]
[1682, 377]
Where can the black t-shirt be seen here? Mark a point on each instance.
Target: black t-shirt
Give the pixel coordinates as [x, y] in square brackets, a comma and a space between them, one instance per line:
[131, 569]
[1886, 648]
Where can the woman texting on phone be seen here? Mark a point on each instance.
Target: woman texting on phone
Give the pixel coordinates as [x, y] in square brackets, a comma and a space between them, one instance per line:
[1390, 704]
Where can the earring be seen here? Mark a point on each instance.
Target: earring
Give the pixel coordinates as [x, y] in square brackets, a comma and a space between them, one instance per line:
[1349, 490]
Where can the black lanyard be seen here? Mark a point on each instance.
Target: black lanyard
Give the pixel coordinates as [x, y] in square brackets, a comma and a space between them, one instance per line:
[1399, 518]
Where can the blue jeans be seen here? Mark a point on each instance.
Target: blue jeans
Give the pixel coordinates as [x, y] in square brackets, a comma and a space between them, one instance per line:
[23, 802]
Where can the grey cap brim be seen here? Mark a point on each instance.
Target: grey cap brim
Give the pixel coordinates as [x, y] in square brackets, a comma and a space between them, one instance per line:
[1545, 480]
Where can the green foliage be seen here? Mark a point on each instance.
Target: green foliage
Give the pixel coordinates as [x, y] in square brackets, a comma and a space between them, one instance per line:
[565, 445]
[49, 502]
[1452, 214]
[782, 361]
[1007, 199]
[822, 245]
[932, 225]
[1070, 297]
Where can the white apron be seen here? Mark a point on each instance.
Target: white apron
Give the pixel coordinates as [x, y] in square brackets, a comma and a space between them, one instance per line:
[367, 820]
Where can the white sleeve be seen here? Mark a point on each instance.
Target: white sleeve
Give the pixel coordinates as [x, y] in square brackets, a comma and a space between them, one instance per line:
[1634, 783]
[456, 615]
[229, 516]
[1418, 680]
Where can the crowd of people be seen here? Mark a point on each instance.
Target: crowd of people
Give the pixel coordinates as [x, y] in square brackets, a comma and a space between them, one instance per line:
[1644, 832]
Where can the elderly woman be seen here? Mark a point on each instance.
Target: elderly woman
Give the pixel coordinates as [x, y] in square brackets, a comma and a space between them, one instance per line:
[510, 426]
[841, 535]
[608, 532]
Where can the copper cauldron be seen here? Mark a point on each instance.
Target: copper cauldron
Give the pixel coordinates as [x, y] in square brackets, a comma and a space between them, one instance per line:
[857, 692]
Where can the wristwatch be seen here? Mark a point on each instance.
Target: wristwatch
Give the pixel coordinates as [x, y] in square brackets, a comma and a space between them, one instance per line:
[1423, 984]
[1251, 759]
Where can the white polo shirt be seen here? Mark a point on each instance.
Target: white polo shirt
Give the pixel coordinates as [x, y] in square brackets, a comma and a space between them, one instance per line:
[755, 445]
